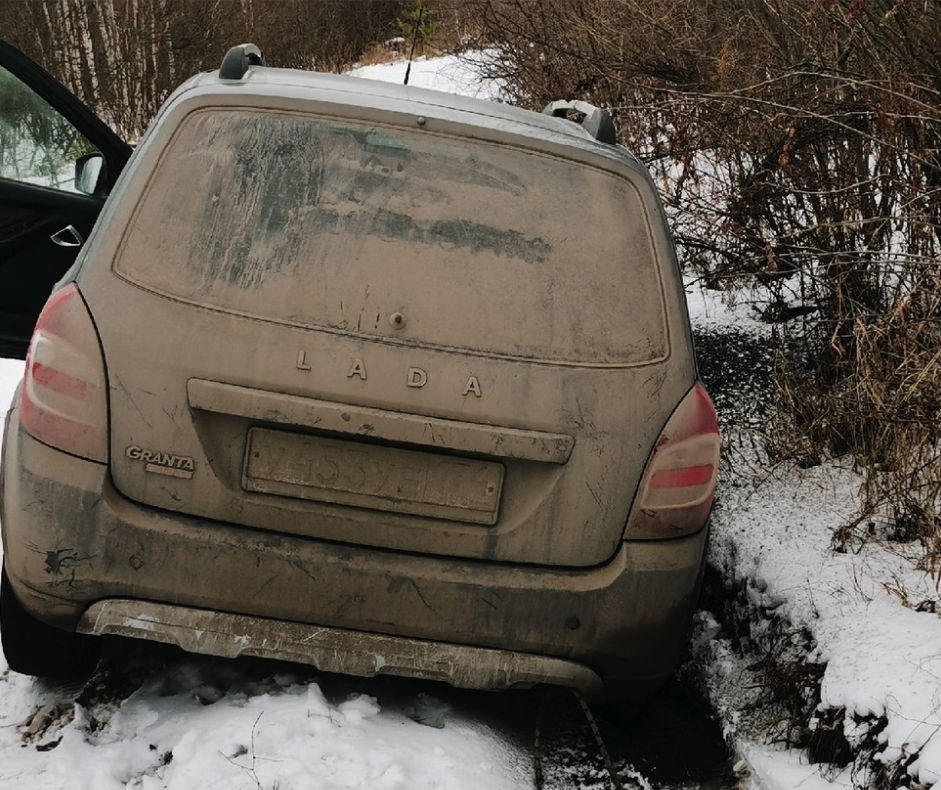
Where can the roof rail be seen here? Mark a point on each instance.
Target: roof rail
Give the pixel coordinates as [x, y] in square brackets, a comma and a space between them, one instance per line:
[597, 122]
[238, 59]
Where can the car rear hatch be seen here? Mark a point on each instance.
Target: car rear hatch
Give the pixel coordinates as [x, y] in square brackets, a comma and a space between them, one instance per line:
[389, 335]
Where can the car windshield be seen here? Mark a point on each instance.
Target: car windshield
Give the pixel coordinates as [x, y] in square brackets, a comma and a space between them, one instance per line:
[336, 226]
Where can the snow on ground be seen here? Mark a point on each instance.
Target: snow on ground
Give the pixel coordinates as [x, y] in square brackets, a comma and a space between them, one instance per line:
[451, 74]
[288, 736]
[868, 613]
[711, 310]
[883, 658]
[204, 724]
[11, 370]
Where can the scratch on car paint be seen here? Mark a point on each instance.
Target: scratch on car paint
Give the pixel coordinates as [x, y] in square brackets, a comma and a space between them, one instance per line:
[268, 581]
[396, 584]
[174, 496]
[298, 565]
[599, 500]
[585, 420]
[133, 403]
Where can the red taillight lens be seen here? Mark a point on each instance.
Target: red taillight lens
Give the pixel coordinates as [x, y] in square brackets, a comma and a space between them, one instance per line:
[64, 401]
[679, 483]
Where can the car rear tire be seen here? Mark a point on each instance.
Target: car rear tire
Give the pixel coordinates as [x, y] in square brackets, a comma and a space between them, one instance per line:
[32, 647]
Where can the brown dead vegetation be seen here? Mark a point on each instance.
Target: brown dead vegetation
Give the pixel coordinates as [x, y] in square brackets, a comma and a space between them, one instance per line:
[796, 143]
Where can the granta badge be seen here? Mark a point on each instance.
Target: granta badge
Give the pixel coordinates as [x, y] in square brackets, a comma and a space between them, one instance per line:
[162, 463]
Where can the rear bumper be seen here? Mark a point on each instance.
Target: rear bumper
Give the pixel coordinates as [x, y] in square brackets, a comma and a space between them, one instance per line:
[72, 542]
[333, 649]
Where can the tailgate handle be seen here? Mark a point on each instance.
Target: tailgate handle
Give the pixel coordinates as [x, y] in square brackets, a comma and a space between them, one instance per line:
[416, 429]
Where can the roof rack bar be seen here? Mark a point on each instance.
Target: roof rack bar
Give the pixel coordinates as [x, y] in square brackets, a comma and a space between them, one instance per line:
[238, 59]
[597, 122]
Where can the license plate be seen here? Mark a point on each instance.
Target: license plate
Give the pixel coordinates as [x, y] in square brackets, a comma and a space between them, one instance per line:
[362, 475]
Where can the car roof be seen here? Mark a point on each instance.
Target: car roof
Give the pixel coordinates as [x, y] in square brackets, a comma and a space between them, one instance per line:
[265, 81]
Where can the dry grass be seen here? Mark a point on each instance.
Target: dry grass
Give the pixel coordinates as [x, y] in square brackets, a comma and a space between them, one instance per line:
[880, 404]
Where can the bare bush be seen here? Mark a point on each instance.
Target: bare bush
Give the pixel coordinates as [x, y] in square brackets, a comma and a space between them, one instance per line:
[796, 144]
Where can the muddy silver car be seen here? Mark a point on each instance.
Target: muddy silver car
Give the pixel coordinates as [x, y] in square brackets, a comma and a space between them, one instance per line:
[370, 377]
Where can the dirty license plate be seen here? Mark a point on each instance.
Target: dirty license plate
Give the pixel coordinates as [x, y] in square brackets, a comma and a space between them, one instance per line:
[382, 478]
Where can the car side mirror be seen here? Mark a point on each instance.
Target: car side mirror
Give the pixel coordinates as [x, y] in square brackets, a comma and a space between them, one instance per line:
[89, 169]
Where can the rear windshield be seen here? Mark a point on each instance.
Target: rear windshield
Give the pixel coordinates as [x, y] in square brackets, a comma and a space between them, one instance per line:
[337, 226]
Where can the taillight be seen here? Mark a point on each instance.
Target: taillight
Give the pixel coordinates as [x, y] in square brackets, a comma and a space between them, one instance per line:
[64, 399]
[679, 483]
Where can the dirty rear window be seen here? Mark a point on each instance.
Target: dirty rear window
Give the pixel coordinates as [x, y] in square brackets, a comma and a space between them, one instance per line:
[339, 226]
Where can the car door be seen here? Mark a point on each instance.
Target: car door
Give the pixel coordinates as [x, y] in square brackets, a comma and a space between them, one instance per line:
[58, 162]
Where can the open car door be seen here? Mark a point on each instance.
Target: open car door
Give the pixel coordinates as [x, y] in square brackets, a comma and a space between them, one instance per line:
[58, 162]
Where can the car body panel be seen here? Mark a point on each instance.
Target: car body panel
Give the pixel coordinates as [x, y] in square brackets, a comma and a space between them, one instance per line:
[626, 619]
[159, 414]
[611, 406]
